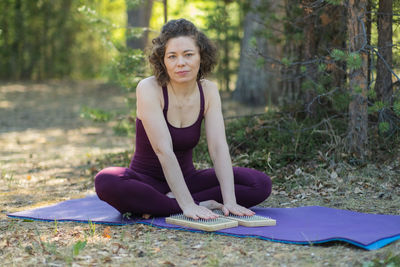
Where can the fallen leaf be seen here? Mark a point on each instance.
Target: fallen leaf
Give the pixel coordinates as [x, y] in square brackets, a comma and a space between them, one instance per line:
[28, 177]
[357, 190]
[155, 250]
[325, 19]
[197, 246]
[107, 232]
[168, 263]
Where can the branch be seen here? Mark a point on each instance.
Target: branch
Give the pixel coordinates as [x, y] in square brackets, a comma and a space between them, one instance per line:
[318, 97]
[384, 61]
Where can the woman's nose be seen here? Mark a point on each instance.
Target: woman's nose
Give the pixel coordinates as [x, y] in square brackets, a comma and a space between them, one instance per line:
[181, 61]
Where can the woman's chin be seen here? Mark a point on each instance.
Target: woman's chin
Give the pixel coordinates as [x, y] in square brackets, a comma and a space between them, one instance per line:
[184, 79]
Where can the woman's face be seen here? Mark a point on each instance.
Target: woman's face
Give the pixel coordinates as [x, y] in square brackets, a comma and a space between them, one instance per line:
[182, 59]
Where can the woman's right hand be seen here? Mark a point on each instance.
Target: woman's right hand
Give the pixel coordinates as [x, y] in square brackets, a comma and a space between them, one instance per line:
[196, 212]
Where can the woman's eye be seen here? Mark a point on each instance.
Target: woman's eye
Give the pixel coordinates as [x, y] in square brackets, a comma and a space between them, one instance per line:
[189, 55]
[171, 57]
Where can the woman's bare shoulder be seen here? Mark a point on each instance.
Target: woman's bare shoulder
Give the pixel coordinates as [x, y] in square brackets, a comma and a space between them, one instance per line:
[148, 85]
[148, 89]
[210, 90]
[209, 85]
[148, 95]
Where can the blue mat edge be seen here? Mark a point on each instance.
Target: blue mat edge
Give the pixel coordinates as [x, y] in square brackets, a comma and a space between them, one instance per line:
[373, 246]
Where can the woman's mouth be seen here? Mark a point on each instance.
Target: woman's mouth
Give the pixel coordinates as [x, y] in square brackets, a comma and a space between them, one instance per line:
[182, 72]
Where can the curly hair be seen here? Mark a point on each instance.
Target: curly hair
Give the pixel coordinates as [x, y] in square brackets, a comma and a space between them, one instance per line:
[178, 28]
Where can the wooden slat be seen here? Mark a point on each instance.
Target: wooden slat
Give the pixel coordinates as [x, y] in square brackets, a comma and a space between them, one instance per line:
[201, 224]
[249, 221]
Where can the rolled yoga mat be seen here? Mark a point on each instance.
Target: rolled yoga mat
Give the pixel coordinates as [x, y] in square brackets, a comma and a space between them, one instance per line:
[302, 225]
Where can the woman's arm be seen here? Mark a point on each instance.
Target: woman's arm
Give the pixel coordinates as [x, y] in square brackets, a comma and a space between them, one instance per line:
[150, 112]
[219, 150]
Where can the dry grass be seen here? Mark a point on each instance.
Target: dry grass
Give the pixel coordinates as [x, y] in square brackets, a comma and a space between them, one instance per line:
[48, 155]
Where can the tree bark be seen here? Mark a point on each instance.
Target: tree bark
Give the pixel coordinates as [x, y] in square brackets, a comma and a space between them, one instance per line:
[383, 84]
[309, 55]
[253, 80]
[5, 71]
[18, 44]
[165, 11]
[357, 137]
[139, 16]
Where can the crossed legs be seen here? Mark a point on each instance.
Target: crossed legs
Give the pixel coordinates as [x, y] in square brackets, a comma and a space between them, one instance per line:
[129, 191]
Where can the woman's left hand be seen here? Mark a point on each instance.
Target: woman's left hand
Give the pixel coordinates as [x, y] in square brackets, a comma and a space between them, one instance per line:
[227, 208]
[238, 210]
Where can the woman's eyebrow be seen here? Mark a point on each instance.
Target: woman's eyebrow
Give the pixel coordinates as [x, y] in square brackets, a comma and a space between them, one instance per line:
[188, 50]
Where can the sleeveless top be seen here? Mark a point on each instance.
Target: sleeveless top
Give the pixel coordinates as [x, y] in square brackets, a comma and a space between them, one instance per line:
[184, 139]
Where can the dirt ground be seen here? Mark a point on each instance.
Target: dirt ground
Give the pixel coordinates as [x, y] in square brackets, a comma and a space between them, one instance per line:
[47, 155]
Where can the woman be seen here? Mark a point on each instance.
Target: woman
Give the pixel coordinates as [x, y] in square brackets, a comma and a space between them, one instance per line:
[161, 179]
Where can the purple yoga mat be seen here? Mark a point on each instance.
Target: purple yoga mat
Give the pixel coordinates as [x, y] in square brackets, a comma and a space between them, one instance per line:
[303, 225]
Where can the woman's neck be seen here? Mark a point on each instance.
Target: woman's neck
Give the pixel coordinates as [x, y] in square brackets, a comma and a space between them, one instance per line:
[183, 89]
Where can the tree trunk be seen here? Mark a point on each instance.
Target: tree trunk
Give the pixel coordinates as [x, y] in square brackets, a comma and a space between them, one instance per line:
[139, 16]
[309, 54]
[165, 11]
[18, 44]
[357, 137]
[5, 71]
[383, 84]
[369, 30]
[253, 80]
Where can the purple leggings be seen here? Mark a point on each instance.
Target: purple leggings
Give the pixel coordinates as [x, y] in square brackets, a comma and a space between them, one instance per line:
[129, 191]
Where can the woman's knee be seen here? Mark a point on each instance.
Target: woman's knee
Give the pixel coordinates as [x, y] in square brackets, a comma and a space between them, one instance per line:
[259, 182]
[105, 179]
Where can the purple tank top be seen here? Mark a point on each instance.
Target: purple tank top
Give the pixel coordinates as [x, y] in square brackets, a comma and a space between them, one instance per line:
[184, 139]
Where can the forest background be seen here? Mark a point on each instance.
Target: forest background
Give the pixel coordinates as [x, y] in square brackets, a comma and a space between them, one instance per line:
[322, 75]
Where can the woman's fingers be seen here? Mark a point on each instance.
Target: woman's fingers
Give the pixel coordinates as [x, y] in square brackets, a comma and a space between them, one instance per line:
[200, 212]
[239, 210]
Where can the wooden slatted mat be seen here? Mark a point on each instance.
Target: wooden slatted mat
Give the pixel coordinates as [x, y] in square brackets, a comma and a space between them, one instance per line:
[249, 221]
[201, 224]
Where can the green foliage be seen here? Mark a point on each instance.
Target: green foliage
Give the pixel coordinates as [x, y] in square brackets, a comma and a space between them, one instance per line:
[389, 260]
[334, 2]
[48, 39]
[396, 107]
[260, 62]
[376, 107]
[338, 54]
[286, 61]
[321, 67]
[127, 68]
[96, 115]
[384, 127]
[124, 128]
[272, 140]
[357, 89]
[78, 246]
[222, 24]
[341, 101]
[113, 159]
[371, 94]
[307, 85]
[354, 61]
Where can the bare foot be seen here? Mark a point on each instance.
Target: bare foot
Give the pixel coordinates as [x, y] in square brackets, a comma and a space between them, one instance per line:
[146, 216]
